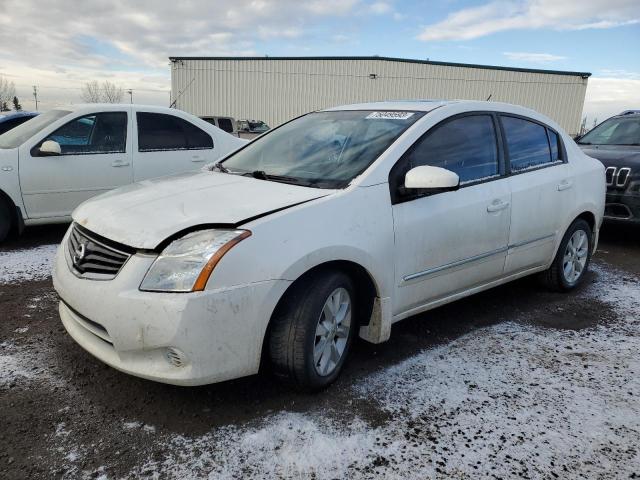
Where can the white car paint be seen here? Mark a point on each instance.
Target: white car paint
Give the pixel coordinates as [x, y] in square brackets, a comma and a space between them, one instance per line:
[46, 189]
[418, 254]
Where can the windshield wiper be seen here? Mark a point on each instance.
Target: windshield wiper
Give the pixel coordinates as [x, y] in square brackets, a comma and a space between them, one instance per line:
[262, 175]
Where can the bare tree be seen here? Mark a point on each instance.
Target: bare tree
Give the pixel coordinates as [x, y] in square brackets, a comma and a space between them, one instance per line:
[111, 93]
[91, 92]
[7, 92]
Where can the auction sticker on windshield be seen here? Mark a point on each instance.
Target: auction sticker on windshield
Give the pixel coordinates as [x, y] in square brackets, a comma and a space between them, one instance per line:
[389, 115]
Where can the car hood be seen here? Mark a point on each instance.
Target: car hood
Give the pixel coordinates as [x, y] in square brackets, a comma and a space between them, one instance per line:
[614, 155]
[144, 214]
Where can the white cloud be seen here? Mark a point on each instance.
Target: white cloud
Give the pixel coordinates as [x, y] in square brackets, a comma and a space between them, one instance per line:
[70, 42]
[533, 57]
[380, 8]
[609, 96]
[502, 15]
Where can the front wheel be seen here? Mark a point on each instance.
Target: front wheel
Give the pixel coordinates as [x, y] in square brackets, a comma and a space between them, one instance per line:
[312, 332]
[572, 260]
[5, 220]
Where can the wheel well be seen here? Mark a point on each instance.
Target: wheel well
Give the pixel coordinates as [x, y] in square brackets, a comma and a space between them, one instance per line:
[588, 217]
[365, 293]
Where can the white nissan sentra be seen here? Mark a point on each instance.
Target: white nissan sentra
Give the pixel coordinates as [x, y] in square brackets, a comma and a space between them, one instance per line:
[334, 225]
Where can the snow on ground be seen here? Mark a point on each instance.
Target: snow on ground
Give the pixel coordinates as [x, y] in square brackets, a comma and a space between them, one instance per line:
[22, 365]
[27, 264]
[511, 399]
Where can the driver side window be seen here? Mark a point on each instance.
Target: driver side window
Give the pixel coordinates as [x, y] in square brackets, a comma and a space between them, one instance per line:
[95, 133]
[465, 145]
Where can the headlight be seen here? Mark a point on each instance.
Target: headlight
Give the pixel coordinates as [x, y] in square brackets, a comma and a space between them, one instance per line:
[186, 264]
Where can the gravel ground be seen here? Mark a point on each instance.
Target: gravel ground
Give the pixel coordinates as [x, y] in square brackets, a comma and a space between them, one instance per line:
[515, 382]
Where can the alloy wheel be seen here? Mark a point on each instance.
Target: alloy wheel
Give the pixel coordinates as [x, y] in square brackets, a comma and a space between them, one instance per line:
[575, 256]
[332, 332]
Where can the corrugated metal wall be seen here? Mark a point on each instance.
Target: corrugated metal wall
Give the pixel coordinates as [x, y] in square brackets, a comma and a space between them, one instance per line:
[278, 90]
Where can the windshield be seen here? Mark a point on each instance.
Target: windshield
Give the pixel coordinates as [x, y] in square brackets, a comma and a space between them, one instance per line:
[323, 149]
[615, 131]
[17, 136]
[258, 126]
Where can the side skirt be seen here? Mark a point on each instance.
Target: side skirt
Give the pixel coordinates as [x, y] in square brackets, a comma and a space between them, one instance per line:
[465, 293]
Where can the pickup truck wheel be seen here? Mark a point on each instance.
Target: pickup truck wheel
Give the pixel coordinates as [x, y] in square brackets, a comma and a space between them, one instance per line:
[312, 332]
[572, 260]
[5, 220]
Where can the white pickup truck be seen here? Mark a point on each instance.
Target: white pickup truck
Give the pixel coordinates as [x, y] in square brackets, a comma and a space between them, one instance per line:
[54, 162]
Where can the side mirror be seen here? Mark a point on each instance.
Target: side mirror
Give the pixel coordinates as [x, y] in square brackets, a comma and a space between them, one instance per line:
[50, 148]
[432, 179]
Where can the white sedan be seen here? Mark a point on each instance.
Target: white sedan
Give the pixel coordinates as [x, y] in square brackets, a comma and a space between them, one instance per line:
[334, 225]
[54, 162]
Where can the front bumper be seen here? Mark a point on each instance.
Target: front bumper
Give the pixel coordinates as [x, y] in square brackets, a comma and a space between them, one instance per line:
[621, 206]
[178, 338]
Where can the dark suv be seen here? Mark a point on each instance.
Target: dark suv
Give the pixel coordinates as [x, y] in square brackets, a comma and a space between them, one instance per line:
[616, 143]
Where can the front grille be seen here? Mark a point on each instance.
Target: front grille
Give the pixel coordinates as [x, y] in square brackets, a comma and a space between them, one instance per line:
[623, 177]
[617, 177]
[610, 174]
[94, 257]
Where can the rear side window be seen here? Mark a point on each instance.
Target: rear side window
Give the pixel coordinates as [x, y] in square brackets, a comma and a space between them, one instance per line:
[465, 145]
[14, 122]
[225, 124]
[104, 132]
[158, 132]
[527, 143]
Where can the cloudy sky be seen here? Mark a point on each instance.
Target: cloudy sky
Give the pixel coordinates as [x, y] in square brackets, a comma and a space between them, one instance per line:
[58, 45]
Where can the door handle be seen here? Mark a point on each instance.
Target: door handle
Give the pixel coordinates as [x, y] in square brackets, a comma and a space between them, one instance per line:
[119, 163]
[197, 158]
[565, 185]
[497, 205]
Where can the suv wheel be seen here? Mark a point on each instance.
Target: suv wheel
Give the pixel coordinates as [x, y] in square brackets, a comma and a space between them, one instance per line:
[312, 332]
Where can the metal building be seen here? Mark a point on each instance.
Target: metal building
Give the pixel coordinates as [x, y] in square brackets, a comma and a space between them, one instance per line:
[276, 89]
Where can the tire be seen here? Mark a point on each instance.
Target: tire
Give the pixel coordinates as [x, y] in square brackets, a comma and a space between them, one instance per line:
[308, 317]
[5, 220]
[572, 260]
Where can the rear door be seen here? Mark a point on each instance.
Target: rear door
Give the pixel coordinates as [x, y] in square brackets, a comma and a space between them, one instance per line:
[95, 157]
[167, 144]
[541, 191]
[449, 242]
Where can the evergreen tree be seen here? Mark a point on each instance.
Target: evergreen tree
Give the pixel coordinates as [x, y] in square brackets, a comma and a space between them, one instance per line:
[4, 107]
[16, 104]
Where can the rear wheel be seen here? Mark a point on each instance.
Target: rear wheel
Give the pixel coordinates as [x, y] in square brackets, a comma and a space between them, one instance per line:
[312, 332]
[572, 260]
[5, 220]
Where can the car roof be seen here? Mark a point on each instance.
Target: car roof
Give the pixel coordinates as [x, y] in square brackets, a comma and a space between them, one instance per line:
[417, 105]
[81, 107]
[4, 116]
[429, 105]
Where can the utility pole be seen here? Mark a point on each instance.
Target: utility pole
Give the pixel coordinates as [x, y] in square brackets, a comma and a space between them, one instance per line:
[130, 92]
[35, 95]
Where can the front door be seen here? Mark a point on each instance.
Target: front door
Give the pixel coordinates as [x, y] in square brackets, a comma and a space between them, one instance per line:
[95, 157]
[449, 242]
